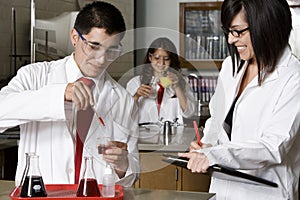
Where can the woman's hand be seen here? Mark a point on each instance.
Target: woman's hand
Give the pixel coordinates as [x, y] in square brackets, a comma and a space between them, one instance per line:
[198, 162]
[174, 78]
[195, 146]
[80, 94]
[143, 90]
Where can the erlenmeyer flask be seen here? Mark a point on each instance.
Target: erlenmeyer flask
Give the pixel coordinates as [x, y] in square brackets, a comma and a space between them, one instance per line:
[33, 185]
[88, 185]
[25, 172]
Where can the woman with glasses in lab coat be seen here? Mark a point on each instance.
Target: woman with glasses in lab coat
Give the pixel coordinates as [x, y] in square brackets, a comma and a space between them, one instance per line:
[162, 93]
[255, 110]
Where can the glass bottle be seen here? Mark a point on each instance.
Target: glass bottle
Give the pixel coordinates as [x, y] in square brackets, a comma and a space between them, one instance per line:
[108, 183]
[88, 186]
[33, 185]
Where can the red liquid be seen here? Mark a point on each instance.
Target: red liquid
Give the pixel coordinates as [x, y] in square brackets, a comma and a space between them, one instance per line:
[33, 187]
[88, 188]
[102, 149]
[101, 121]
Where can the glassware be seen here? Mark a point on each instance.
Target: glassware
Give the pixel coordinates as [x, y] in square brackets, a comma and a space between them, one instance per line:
[88, 186]
[33, 185]
[154, 88]
[108, 183]
[25, 172]
[103, 144]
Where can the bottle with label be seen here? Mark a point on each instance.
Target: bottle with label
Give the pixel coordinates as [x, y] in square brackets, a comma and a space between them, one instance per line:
[108, 183]
[33, 185]
[88, 185]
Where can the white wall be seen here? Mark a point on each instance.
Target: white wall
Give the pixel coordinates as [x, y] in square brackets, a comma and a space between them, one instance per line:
[153, 13]
[160, 13]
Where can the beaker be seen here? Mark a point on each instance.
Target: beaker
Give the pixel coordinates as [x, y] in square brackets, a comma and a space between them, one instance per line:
[88, 185]
[33, 185]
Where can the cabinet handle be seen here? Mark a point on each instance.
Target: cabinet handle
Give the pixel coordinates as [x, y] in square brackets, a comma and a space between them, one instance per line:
[176, 174]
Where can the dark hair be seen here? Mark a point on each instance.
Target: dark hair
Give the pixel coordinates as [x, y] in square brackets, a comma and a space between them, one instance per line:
[100, 14]
[270, 25]
[167, 45]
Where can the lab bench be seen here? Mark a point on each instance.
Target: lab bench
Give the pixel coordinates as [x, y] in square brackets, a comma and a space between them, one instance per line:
[130, 193]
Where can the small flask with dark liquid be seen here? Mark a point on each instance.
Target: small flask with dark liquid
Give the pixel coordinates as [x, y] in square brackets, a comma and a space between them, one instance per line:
[88, 185]
[33, 185]
[25, 172]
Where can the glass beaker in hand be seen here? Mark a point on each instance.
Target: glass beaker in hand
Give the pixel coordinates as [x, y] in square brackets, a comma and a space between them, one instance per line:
[33, 185]
[88, 185]
[103, 144]
[154, 88]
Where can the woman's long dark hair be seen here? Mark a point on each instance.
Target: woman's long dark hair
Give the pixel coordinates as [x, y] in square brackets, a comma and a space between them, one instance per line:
[270, 25]
[167, 45]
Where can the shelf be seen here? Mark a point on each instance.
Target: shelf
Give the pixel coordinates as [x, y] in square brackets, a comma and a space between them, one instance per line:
[202, 64]
[203, 43]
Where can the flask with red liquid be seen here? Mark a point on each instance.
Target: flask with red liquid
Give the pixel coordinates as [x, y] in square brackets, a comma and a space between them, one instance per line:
[88, 185]
[33, 185]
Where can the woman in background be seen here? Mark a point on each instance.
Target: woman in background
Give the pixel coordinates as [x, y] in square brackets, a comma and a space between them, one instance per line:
[161, 91]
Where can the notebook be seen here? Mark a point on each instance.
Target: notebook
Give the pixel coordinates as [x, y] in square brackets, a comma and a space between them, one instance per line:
[221, 172]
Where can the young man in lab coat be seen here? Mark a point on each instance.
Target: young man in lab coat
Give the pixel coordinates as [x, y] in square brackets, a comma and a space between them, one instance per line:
[43, 99]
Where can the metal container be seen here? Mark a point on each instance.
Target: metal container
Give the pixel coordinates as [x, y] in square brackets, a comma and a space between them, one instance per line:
[167, 132]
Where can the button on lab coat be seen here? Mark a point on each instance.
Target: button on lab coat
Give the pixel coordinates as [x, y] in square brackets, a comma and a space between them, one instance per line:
[34, 99]
[265, 138]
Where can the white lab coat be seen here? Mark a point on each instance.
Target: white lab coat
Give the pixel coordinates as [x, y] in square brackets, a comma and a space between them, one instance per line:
[170, 107]
[34, 99]
[265, 139]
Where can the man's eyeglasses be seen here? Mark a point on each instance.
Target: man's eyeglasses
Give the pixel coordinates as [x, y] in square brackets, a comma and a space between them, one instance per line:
[235, 33]
[91, 48]
[159, 57]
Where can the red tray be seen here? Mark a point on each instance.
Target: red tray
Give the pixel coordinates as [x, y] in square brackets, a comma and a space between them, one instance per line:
[66, 192]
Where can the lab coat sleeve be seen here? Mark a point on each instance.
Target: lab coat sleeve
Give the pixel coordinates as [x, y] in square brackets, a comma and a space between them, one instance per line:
[133, 85]
[129, 118]
[279, 133]
[27, 97]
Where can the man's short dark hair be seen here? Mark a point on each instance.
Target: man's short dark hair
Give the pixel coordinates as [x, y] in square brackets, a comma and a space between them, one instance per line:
[100, 14]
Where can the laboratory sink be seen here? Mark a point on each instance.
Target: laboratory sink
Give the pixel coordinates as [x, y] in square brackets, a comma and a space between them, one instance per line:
[152, 139]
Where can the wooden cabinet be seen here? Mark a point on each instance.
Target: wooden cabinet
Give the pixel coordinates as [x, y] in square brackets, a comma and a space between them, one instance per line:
[156, 174]
[203, 44]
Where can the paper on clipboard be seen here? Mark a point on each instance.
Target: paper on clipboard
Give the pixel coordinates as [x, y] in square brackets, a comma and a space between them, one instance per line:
[222, 172]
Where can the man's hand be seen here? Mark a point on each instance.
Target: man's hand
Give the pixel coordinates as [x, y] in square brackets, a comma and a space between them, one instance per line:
[80, 94]
[116, 154]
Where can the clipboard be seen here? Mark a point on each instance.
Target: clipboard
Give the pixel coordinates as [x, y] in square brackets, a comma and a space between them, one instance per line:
[222, 172]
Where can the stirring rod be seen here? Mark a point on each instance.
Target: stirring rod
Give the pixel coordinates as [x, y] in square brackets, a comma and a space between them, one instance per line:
[100, 118]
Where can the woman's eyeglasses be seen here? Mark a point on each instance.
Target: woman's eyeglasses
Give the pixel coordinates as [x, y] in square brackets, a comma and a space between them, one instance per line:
[159, 57]
[235, 33]
[91, 48]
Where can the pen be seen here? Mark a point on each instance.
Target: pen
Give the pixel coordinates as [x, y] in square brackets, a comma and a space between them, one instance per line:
[197, 133]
